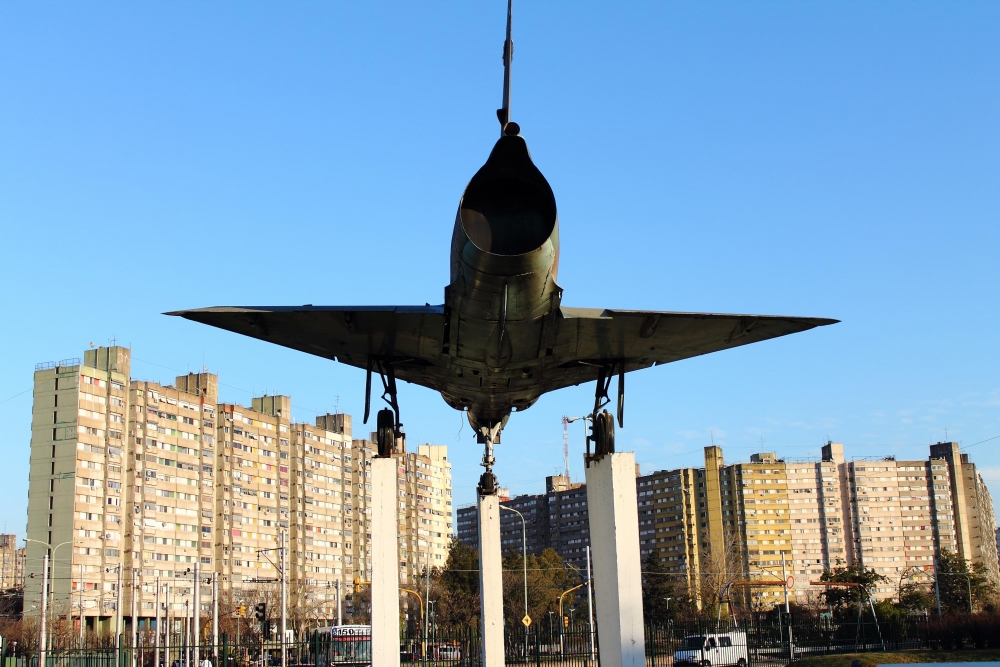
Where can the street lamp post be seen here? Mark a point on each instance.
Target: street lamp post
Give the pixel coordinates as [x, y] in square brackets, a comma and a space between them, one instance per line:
[524, 561]
[46, 604]
[524, 552]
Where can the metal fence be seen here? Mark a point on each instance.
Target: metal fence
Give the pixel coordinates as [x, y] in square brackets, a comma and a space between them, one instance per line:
[754, 642]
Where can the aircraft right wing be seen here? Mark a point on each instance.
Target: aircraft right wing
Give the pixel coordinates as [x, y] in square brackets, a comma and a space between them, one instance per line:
[588, 338]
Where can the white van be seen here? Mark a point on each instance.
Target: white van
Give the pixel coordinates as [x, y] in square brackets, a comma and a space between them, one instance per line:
[717, 649]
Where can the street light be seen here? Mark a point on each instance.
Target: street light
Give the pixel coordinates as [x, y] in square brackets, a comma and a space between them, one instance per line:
[524, 556]
[47, 561]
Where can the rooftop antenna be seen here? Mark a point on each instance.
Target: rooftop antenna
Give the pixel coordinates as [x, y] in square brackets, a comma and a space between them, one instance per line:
[503, 113]
[565, 421]
[336, 405]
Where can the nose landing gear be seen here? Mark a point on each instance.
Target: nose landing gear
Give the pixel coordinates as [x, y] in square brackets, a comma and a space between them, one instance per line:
[488, 434]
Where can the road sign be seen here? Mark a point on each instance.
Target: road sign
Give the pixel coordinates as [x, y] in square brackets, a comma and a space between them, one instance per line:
[526, 621]
[790, 582]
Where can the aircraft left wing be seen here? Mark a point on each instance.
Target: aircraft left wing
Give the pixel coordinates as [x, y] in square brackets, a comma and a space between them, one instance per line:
[410, 336]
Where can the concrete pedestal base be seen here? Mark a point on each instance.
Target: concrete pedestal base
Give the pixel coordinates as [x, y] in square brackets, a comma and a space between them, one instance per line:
[385, 564]
[614, 538]
[491, 581]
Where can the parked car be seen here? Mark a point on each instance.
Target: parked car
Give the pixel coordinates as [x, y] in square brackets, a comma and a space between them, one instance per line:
[449, 653]
[719, 649]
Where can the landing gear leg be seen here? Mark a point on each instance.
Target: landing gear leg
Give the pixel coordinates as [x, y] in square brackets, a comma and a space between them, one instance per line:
[389, 430]
[603, 433]
[488, 435]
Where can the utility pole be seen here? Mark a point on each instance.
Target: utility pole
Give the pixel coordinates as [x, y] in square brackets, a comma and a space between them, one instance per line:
[427, 597]
[340, 615]
[196, 614]
[41, 625]
[565, 423]
[937, 588]
[166, 630]
[156, 637]
[118, 609]
[135, 629]
[284, 596]
[788, 612]
[215, 614]
[590, 605]
[82, 621]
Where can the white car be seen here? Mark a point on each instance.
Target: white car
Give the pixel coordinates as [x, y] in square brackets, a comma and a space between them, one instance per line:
[449, 653]
[717, 649]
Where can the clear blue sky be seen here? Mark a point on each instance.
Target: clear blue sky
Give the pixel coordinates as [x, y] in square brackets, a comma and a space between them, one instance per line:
[830, 159]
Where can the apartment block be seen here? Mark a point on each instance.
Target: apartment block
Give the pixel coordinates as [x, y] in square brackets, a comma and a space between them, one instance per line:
[819, 519]
[670, 502]
[79, 434]
[11, 563]
[769, 517]
[467, 520]
[135, 481]
[425, 518]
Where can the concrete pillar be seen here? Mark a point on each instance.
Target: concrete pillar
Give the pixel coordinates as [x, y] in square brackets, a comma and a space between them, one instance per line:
[385, 564]
[491, 581]
[614, 538]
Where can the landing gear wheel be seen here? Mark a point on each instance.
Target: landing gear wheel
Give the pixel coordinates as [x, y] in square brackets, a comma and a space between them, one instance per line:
[604, 433]
[487, 484]
[386, 433]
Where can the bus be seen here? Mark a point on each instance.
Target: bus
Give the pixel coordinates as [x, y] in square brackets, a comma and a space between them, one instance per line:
[341, 645]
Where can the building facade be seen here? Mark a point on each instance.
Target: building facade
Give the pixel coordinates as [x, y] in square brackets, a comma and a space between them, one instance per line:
[11, 563]
[769, 518]
[133, 483]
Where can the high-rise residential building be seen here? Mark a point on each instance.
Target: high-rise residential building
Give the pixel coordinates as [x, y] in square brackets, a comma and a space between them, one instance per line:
[769, 517]
[565, 520]
[79, 433]
[148, 480]
[11, 563]
[425, 522]
[467, 520]
[670, 505]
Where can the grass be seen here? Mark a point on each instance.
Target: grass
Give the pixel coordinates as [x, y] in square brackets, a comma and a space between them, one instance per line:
[872, 659]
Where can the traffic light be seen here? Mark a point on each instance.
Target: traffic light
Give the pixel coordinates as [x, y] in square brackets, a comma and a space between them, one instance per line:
[260, 611]
[241, 611]
[565, 621]
[357, 584]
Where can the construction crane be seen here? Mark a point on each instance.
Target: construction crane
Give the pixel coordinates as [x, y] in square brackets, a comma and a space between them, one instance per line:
[565, 421]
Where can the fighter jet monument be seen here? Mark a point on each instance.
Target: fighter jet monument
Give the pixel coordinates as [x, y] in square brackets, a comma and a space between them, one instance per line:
[500, 338]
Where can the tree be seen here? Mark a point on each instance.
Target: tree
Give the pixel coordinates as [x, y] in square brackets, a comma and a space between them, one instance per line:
[720, 566]
[548, 578]
[457, 586]
[916, 597]
[845, 596]
[957, 582]
[663, 596]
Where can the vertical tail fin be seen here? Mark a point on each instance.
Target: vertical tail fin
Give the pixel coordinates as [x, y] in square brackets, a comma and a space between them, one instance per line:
[503, 113]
